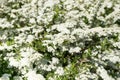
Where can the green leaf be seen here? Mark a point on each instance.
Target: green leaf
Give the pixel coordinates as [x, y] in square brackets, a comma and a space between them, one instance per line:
[10, 42]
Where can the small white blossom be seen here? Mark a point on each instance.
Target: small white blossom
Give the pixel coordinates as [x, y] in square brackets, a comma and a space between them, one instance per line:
[5, 77]
[103, 73]
[13, 62]
[32, 75]
[59, 71]
[55, 60]
[30, 38]
[75, 50]
[32, 20]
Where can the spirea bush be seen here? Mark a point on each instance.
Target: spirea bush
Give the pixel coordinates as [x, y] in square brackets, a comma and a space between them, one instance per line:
[59, 39]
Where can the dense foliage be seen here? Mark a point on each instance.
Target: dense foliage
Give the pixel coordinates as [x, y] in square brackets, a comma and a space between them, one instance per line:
[59, 39]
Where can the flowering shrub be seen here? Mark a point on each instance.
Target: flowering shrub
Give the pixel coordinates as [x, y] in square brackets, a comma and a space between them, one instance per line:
[59, 39]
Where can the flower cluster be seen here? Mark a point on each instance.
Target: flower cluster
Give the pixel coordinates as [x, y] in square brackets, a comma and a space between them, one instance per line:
[59, 40]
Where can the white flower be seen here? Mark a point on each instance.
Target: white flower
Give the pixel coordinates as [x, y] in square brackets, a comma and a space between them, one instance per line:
[118, 78]
[26, 52]
[32, 75]
[75, 50]
[112, 57]
[55, 60]
[20, 38]
[27, 49]
[63, 29]
[51, 67]
[49, 3]
[117, 44]
[5, 46]
[32, 20]
[33, 2]
[103, 73]
[59, 71]
[109, 4]
[61, 26]
[86, 76]
[13, 62]
[5, 77]
[35, 57]
[69, 4]
[5, 24]
[50, 49]
[30, 38]
[24, 62]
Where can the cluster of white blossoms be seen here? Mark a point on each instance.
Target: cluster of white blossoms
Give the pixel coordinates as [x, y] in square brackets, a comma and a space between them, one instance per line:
[59, 39]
